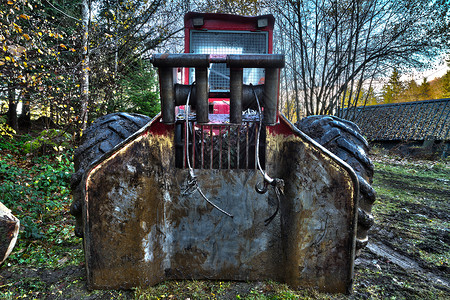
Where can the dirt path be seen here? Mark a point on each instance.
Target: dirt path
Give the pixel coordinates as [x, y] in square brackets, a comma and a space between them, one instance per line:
[404, 262]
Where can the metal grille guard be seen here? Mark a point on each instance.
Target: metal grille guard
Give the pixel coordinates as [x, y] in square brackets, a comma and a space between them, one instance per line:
[175, 94]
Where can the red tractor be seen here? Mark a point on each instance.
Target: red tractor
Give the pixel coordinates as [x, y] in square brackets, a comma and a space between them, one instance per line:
[220, 185]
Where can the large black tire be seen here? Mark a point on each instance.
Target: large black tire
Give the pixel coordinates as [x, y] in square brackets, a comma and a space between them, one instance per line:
[343, 138]
[99, 138]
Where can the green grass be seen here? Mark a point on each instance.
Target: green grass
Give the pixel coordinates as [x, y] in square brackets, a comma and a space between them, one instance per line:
[413, 201]
[218, 290]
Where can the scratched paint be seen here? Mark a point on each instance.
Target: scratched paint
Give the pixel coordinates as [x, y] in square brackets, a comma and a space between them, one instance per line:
[142, 229]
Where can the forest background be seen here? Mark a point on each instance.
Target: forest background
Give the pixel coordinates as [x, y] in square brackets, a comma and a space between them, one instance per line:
[69, 62]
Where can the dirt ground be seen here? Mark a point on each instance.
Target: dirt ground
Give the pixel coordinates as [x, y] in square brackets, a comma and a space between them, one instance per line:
[407, 257]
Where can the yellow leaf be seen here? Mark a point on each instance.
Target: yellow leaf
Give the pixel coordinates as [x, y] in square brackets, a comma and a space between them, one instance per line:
[17, 28]
[26, 36]
[24, 17]
[71, 49]
[40, 51]
[1, 63]
[40, 33]
[10, 2]
[8, 58]
[63, 46]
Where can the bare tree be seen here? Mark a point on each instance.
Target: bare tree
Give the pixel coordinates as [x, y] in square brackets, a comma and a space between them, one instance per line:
[237, 7]
[123, 35]
[336, 47]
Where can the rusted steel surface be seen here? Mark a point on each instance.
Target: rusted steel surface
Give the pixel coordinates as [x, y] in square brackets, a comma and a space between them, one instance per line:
[409, 121]
[141, 229]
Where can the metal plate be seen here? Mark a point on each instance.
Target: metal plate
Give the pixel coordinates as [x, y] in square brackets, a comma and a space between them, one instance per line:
[140, 229]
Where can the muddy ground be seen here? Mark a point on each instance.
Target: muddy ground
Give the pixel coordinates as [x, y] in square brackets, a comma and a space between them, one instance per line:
[407, 257]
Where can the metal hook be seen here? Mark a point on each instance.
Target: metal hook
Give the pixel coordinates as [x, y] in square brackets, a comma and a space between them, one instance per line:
[263, 189]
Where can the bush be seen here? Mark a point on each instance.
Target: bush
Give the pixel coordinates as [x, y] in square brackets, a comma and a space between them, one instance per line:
[49, 141]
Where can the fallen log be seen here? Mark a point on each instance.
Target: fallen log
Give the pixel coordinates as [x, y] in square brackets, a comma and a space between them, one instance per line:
[9, 230]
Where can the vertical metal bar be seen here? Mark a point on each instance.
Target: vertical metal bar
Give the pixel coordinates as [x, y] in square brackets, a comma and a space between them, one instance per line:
[201, 103]
[220, 147]
[236, 94]
[212, 147]
[202, 147]
[246, 145]
[193, 145]
[270, 96]
[228, 152]
[238, 151]
[254, 140]
[184, 143]
[167, 95]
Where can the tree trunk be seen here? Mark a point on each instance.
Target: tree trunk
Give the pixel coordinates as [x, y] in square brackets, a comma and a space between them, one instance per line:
[86, 16]
[12, 108]
[25, 118]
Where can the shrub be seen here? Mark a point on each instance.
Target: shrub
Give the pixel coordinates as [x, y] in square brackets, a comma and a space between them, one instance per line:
[49, 141]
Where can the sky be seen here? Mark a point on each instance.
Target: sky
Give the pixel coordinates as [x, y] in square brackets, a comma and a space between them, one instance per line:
[439, 70]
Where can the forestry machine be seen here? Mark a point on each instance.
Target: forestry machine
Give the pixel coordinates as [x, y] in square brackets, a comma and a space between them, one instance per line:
[220, 185]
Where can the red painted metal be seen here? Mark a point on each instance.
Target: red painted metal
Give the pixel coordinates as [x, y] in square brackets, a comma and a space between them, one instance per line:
[282, 128]
[224, 22]
[227, 22]
[221, 106]
[159, 128]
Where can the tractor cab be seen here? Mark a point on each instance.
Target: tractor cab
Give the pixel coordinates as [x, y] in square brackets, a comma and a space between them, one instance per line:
[222, 34]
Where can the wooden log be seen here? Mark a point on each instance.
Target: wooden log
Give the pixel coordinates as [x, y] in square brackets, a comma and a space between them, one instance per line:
[9, 230]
